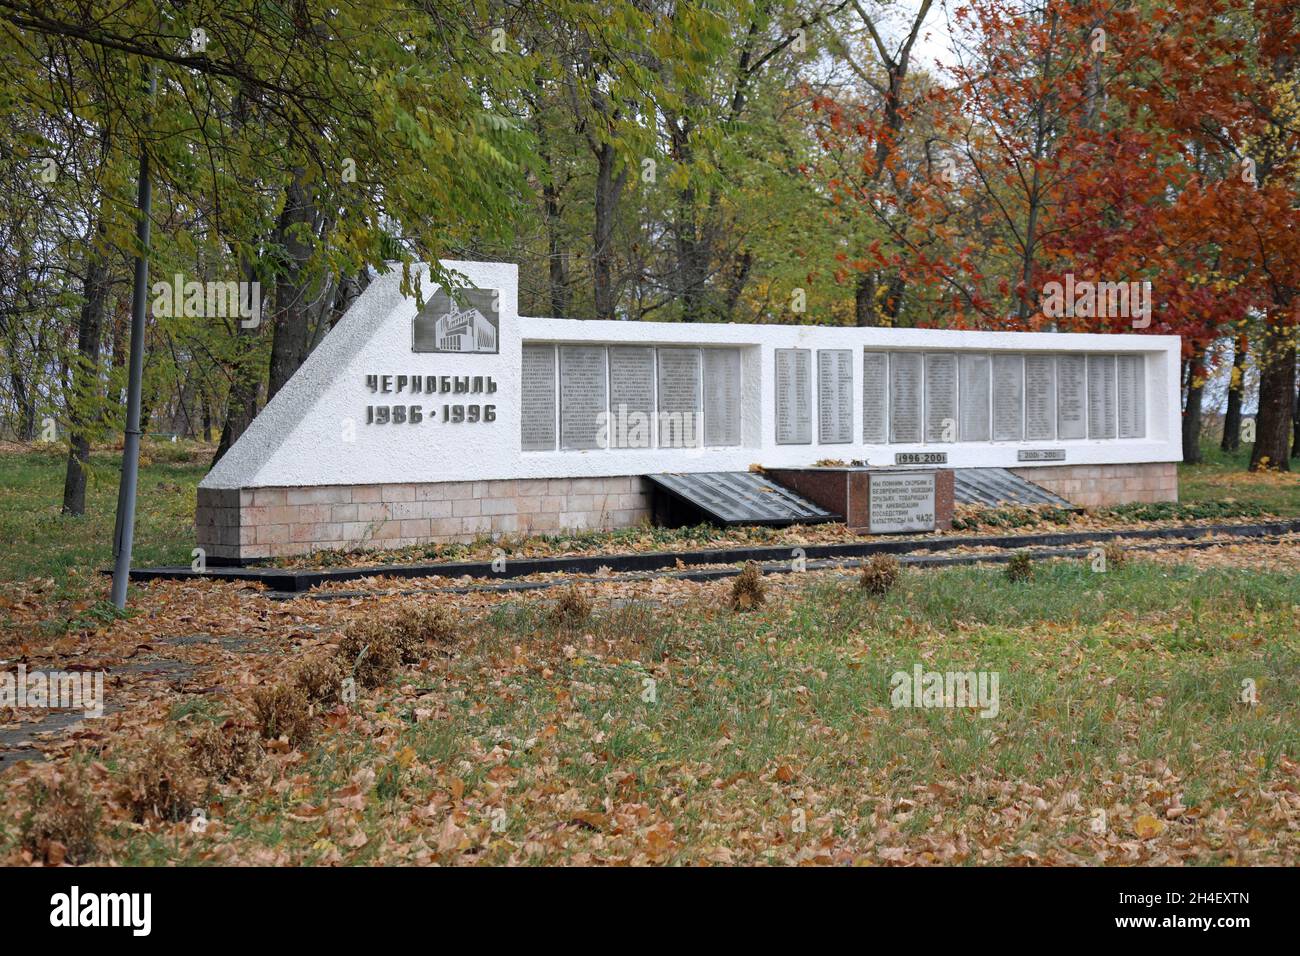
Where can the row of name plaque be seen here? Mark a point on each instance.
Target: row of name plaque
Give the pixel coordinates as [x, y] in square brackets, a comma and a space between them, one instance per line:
[577, 397]
[629, 396]
[938, 397]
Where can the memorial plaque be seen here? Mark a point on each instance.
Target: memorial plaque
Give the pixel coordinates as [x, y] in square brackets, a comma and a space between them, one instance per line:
[901, 502]
[679, 398]
[1041, 454]
[920, 458]
[835, 396]
[793, 397]
[1101, 396]
[975, 392]
[1132, 396]
[1040, 397]
[940, 397]
[875, 397]
[722, 415]
[1071, 396]
[537, 399]
[904, 397]
[582, 396]
[631, 396]
[1008, 397]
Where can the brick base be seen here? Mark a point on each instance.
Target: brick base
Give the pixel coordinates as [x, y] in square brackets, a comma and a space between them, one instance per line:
[1094, 486]
[244, 524]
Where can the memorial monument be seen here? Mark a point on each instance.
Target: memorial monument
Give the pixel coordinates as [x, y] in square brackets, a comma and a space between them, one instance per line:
[441, 423]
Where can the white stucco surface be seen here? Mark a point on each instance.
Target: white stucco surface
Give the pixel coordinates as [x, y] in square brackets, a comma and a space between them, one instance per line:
[314, 431]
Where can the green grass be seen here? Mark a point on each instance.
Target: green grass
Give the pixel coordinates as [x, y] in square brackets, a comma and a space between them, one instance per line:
[1120, 688]
[41, 542]
[1222, 478]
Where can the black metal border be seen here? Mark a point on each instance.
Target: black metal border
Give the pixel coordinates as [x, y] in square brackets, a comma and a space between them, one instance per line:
[294, 580]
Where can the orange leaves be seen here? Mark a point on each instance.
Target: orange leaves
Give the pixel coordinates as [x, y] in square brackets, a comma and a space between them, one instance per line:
[1147, 827]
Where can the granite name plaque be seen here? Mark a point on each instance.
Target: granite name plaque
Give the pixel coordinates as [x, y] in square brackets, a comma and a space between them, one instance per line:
[940, 397]
[793, 397]
[1008, 397]
[1040, 398]
[1132, 396]
[722, 415]
[834, 396]
[905, 397]
[974, 389]
[582, 396]
[631, 396]
[679, 398]
[1071, 396]
[1101, 396]
[875, 397]
[901, 502]
[537, 399]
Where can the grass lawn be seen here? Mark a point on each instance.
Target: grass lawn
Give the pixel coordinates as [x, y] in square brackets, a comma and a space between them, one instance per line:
[674, 730]
[41, 541]
[1223, 478]
[1148, 714]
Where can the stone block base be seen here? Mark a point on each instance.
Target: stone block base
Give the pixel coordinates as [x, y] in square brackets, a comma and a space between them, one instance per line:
[237, 525]
[1095, 486]
[847, 492]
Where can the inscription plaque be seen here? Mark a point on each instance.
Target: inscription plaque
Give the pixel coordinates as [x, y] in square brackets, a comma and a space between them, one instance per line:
[631, 396]
[1041, 454]
[974, 389]
[1008, 397]
[1101, 396]
[920, 458]
[1071, 388]
[793, 397]
[537, 399]
[904, 397]
[875, 397]
[679, 398]
[582, 396]
[835, 396]
[901, 502]
[940, 397]
[722, 397]
[1040, 397]
[1132, 396]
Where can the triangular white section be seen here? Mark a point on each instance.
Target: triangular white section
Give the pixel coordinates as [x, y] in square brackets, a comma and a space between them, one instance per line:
[314, 431]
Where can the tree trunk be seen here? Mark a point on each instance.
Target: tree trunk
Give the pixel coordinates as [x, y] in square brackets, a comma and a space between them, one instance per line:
[25, 402]
[1192, 413]
[1276, 361]
[85, 375]
[559, 283]
[865, 313]
[205, 410]
[293, 288]
[1295, 418]
[737, 284]
[1232, 415]
[608, 187]
[241, 402]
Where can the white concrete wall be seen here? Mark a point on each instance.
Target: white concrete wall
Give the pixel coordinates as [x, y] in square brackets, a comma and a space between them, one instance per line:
[314, 431]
